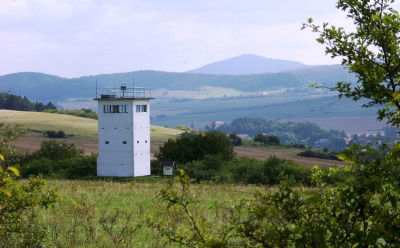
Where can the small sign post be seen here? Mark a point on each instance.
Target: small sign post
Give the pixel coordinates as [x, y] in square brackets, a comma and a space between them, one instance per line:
[168, 167]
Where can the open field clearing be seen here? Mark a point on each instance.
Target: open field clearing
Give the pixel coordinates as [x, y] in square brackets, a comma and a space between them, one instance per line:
[87, 207]
[31, 141]
[41, 121]
[83, 129]
[262, 153]
[85, 136]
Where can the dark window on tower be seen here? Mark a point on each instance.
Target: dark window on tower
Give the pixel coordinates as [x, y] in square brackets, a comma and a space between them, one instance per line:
[124, 142]
[115, 108]
[141, 108]
[107, 142]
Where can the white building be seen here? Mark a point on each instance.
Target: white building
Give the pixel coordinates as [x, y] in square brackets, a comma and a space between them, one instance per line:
[124, 132]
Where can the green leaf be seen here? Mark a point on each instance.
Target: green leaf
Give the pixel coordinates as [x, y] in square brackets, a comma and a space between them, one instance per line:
[7, 192]
[14, 170]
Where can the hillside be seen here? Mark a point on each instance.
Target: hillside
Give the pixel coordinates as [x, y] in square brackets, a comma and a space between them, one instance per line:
[85, 135]
[329, 112]
[327, 75]
[186, 98]
[83, 129]
[248, 64]
[43, 87]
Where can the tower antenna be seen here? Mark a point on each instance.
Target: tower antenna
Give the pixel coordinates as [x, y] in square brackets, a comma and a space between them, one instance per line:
[133, 87]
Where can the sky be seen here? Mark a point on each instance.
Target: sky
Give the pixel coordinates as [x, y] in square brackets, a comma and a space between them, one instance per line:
[72, 38]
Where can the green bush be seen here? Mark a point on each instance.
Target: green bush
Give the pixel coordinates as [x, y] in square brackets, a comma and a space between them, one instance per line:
[235, 139]
[67, 168]
[191, 147]
[55, 150]
[267, 140]
[20, 202]
[247, 171]
[59, 160]
[54, 134]
[209, 168]
[318, 154]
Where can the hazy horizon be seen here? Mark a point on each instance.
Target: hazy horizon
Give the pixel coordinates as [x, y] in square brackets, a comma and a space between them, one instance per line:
[71, 38]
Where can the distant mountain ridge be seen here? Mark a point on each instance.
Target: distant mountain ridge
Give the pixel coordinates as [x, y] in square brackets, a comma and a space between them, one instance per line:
[43, 87]
[248, 64]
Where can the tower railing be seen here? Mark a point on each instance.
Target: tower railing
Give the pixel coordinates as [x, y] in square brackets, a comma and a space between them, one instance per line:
[123, 92]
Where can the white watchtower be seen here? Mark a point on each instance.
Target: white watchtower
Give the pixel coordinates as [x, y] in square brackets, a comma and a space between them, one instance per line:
[124, 132]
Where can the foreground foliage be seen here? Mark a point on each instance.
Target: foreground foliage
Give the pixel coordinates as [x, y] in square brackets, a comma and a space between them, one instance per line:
[20, 201]
[364, 211]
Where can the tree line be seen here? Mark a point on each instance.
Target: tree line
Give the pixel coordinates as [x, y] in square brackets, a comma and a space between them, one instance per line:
[22, 103]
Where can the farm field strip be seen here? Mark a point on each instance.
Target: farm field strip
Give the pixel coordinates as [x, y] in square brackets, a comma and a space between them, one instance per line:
[262, 153]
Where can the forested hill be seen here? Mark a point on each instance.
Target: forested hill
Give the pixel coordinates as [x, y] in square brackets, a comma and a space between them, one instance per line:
[289, 133]
[43, 87]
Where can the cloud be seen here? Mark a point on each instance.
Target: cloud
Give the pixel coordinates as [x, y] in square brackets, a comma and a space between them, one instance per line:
[73, 38]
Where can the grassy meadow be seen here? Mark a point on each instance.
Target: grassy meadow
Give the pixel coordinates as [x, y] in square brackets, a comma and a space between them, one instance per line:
[84, 130]
[40, 121]
[98, 213]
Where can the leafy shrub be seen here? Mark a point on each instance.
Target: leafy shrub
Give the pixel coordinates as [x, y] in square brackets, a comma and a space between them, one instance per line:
[191, 146]
[267, 140]
[235, 139]
[156, 168]
[67, 168]
[55, 150]
[272, 171]
[318, 154]
[59, 160]
[247, 171]
[362, 211]
[19, 204]
[209, 168]
[54, 134]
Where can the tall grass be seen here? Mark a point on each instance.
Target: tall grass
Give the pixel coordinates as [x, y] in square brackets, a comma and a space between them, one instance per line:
[116, 214]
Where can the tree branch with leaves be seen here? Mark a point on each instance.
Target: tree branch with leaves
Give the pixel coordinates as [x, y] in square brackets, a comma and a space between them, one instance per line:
[371, 52]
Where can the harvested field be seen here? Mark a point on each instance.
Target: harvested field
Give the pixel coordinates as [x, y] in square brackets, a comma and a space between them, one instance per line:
[262, 153]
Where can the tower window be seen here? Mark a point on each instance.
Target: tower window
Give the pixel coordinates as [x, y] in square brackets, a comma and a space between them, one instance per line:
[107, 142]
[122, 109]
[115, 109]
[137, 141]
[141, 108]
[145, 141]
[124, 142]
